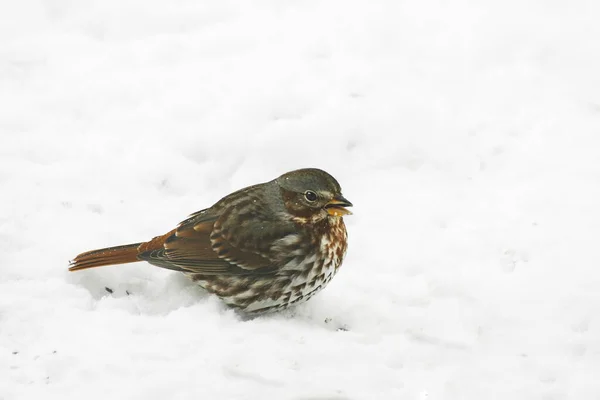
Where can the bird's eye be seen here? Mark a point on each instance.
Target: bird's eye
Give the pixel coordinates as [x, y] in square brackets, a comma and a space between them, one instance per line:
[310, 195]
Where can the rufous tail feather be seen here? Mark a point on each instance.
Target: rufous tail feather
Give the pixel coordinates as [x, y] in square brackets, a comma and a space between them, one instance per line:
[108, 256]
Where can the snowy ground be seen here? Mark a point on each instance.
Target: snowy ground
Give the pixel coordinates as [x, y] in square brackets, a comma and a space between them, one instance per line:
[467, 134]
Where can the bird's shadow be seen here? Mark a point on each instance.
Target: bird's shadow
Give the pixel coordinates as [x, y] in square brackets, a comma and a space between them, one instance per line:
[143, 294]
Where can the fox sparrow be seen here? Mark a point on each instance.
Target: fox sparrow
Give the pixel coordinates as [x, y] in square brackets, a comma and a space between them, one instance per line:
[262, 248]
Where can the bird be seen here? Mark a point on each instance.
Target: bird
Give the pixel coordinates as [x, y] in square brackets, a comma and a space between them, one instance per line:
[260, 249]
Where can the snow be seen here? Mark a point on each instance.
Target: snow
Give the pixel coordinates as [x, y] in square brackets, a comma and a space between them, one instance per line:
[467, 134]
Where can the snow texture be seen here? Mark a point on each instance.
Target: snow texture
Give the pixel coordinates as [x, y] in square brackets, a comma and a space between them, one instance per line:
[466, 133]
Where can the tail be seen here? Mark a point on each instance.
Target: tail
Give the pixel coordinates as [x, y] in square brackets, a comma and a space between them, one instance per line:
[108, 256]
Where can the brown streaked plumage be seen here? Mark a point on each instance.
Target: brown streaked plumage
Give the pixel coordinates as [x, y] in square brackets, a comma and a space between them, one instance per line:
[262, 248]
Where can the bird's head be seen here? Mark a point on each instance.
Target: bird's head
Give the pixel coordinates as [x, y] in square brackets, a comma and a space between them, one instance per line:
[311, 195]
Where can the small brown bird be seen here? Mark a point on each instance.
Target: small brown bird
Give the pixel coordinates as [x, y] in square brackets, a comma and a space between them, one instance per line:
[262, 248]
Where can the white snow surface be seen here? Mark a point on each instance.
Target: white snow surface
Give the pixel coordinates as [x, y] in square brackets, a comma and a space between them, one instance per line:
[466, 133]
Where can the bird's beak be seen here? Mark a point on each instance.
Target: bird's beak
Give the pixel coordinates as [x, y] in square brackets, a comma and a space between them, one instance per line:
[337, 206]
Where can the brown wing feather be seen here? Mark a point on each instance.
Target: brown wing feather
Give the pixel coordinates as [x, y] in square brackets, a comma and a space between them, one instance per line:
[199, 245]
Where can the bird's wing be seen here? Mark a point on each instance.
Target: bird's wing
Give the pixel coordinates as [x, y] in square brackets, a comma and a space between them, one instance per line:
[229, 242]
